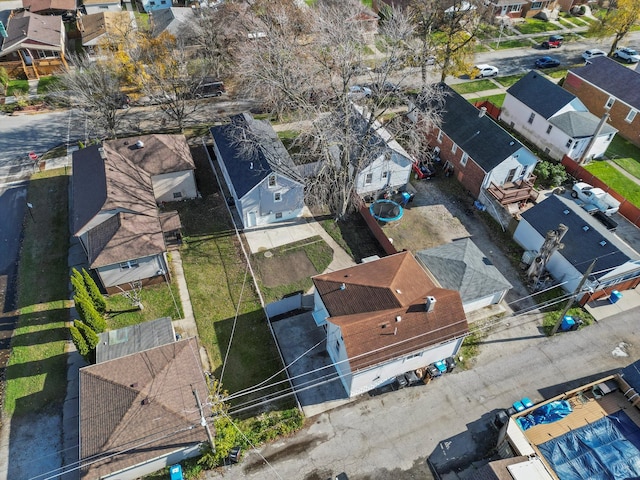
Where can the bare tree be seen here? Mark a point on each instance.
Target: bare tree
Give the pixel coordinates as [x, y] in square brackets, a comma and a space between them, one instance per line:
[304, 68]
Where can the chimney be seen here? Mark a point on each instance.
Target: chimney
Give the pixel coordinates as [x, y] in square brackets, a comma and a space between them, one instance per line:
[482, 112]
[430, 304]
[343, 286]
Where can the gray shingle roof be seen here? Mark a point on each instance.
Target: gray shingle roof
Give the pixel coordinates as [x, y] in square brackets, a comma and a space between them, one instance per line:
[251, 151]
[580, 124]
[486, 142]
[612, 77]
[134, 338]
[580, 247]
[461, 265]
[540, 95]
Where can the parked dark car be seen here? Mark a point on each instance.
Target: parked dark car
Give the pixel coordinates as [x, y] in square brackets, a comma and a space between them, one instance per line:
[555, 41]
[210, 89]
[547, 62]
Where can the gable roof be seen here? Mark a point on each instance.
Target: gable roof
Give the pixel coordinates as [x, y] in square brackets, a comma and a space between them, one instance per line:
[460, 265]
[134, 338]
[375, 294]
[141, 405]
[540, 94]
[26, 29]
[95, 25]
[36, 6]
[580, 124]
[486, 142]
[251, 151]
[580, 247]
[612, 77]
[174, 20]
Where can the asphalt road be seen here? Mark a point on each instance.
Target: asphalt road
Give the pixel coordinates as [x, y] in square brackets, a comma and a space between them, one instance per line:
[392, 435]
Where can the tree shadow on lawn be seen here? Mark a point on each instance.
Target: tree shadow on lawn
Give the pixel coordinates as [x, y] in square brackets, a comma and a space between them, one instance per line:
[356, 235]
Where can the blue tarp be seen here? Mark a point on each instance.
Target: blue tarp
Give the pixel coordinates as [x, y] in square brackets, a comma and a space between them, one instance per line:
[608, 449]
[549, 413]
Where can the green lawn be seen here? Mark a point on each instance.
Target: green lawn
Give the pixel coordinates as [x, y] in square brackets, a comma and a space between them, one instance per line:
[47, 83]
[621, 148]
[533, 25]
[17, 87]
[36, 376]
[616, 180]
[509, 80]
[505, 44]
[497, 100]
[475, 86]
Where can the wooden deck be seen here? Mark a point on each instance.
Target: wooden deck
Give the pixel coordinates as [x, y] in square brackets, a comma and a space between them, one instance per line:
[586, 410]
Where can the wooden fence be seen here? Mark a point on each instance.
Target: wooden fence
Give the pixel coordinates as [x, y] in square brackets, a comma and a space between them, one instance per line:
[627, 209]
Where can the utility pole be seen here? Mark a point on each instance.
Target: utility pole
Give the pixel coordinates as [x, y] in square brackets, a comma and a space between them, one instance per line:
[203, 420]
[552, 243]
[573, 298]
[30, 208]
[599, 128]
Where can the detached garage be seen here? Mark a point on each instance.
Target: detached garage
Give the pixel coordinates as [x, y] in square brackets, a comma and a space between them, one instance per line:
[461, 265]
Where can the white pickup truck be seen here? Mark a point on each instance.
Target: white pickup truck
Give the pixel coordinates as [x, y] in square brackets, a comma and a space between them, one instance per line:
[595, 199]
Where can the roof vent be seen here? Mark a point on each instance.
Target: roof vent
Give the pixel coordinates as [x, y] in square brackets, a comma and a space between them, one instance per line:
[585, 228]
[398, 318]
[566, 212]
[603, 243]
[430, 304]
[343, 286]
[512, 143]
[250, 165]
[398, 291]
[482, 112]
[146, 401]
[140, 144]
[134, 385]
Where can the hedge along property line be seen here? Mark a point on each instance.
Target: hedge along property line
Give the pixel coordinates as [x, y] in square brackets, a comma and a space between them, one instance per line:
[627, 209]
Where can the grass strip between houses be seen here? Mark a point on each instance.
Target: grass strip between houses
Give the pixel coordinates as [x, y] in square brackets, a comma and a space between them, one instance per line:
[36, 373]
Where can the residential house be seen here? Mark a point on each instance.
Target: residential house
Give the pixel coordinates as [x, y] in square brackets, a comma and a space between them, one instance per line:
[49, 7]
[460, 265]
[97, 6]
[34, 45]
[590, 431]
[258, 171]
[485, 158]
[606, 86]
[386, 165]
[134, 338]
[554, 119]
[154, 5]
[96, 28]
[509, 8]
[115, 189]
[386, 317]
[175, 21]
[617, 266]
[142, 412]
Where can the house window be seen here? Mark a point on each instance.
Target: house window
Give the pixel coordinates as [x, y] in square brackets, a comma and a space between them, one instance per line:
[272, 181]
[153, 4]
[630, 116]
[531, 117]
[463, 159]
[177, 194]
[368, 179]
[278, 215]
[414, 356]
[609, 103]
[536, 6]
[129, 264]
[546, 150]
[549, 128]
[385, 175]
[454, 148]
[439, 136]
[569, 142]
[337, 345]
[277, 197]
[610, 137]
[511, 175]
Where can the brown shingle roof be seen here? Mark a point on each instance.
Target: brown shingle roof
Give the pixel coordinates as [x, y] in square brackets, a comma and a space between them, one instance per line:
[114, 418]
[95, 25]
[374, 295]
[26, 29]
[36, 6]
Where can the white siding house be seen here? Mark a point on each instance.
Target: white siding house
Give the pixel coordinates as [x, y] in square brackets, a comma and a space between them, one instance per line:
[554, 119]
[378, 324]
[261, 176]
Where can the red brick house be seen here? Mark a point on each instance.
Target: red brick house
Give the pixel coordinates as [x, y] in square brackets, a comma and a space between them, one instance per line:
[606, 84]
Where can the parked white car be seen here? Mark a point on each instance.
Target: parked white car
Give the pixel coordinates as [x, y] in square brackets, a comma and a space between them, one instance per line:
[627, 54]
[594, 52]
[482, 71]
[356, 91]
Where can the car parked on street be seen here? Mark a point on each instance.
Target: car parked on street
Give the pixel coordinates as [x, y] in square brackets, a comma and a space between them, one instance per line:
[593, 53]
[555, 41]
[547, 62]
[627, 54]
[482, 71]
[357, 91]
[382, 88]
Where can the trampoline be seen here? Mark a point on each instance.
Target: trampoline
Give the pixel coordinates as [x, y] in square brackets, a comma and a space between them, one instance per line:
[386, 210]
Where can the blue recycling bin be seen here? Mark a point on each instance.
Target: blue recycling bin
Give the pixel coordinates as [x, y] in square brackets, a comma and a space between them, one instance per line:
[175, 472]
[526, 402]
[615, 296]
[567, 323]
[518, 406]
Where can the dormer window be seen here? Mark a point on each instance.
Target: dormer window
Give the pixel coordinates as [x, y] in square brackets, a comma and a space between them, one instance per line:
[272, 181]
[277, 197]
